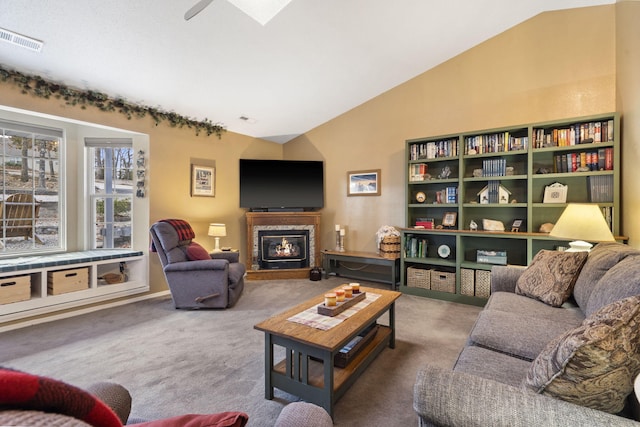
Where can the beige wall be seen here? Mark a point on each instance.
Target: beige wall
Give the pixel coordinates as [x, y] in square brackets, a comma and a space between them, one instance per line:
[628, 101]
[171, 151]
[553, 66]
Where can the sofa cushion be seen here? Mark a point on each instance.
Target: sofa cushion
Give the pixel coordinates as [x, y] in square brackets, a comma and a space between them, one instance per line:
[601, 258]
[492, 365]
[513, 303]
[551, 276]
[621, 281]
[594, 364]
[196, 252]
[517, 334]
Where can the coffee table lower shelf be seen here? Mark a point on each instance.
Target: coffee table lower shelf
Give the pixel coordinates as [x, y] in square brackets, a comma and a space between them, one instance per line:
[341, 376]
[321, 382]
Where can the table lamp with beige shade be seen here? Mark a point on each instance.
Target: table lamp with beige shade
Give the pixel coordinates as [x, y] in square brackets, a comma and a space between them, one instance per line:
[583, 222]
[217, 231]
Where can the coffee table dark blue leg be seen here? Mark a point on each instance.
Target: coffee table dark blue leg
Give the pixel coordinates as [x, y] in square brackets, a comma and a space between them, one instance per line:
[392, 325]
[268, 366]
[327, 392]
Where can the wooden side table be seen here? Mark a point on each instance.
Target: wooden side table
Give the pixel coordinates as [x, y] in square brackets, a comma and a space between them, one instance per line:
[332, 265]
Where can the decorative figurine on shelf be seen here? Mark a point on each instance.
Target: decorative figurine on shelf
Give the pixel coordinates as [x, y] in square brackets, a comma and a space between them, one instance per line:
[473, 226]
[445, 173]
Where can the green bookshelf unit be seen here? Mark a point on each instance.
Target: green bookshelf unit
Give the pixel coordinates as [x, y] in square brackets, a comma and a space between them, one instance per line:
[462, 188]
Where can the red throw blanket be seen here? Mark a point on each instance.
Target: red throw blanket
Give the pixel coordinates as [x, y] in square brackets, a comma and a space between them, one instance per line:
[182, 227]
[19, 390]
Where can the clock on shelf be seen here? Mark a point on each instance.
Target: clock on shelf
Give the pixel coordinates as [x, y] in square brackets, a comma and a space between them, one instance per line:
[444, 251]
[421, 197]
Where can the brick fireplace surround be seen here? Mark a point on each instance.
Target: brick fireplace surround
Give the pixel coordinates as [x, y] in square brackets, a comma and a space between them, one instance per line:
[257, 221]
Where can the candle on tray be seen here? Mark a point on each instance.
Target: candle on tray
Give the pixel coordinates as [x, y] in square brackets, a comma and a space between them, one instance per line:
[355, 287]
[330, 299]
[348, 291]
[340, 295]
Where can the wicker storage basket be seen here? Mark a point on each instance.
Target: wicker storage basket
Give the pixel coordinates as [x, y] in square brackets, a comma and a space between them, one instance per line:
[483, 283]
[390, 247]
[418, 278]
[467, 281]
[443, 281]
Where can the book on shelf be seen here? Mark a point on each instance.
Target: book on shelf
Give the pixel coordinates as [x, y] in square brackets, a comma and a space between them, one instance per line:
[600, 188]
[427, 223]
[416, 247]
[418, 172]
[494, 143]
[575, 134]
[434, 149]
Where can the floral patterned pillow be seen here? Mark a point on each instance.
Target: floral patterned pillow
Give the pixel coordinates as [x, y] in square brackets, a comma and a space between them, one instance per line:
[551, 276]
[595, 364]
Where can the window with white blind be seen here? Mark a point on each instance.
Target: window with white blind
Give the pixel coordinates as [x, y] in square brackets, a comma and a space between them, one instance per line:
[31, 183]
[111, 191]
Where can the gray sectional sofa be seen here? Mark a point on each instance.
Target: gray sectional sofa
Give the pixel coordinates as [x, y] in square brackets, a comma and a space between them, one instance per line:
[530, 363]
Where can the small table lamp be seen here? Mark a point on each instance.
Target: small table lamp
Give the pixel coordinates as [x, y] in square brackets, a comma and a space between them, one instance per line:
[217, 231]
[585, 222]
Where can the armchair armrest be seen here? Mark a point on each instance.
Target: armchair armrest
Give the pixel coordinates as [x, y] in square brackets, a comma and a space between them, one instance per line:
[205, 264]
[447, 398]
[228, 255]
[504, 278]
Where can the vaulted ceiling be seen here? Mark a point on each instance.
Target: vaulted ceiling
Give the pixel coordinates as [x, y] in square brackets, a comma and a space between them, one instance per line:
[311, 62]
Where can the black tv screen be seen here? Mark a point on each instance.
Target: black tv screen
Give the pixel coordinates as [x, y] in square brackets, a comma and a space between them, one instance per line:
[281, 184]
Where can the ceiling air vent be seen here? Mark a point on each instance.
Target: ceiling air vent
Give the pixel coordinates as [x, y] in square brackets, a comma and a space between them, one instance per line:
[19, 40]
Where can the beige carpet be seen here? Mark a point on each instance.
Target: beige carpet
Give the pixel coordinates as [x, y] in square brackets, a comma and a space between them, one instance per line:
[174, 361]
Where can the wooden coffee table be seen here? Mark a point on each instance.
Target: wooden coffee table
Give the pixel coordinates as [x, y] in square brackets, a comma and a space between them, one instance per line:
[308, 370]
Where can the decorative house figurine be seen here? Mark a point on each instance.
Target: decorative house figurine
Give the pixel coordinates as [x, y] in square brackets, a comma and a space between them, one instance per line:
[497, 194]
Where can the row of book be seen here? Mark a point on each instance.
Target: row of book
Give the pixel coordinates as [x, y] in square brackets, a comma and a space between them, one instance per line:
[600, 188]
[447, 195]
[418, 172]
[494, 143]
[494, 167]
[591, 161]
[579, 133]
[434, 149]
[416, 247]
[607, 212]
[426, 223]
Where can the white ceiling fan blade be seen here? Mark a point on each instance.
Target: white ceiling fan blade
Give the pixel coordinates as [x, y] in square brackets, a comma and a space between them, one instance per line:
[196, 9]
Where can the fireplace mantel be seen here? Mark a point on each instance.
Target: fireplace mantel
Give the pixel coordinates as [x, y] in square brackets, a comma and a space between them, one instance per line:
[284, 221]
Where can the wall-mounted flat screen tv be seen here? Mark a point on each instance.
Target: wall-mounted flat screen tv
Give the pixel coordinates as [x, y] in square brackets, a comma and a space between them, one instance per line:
[276, 185]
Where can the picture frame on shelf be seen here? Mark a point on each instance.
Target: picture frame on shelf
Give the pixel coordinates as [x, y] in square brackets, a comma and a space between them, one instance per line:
[363, 183]
[515, 227]
[449, 219]
[203, 181]
[555, 193]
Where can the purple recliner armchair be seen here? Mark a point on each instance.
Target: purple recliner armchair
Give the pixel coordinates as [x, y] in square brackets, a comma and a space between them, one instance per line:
[207, 283]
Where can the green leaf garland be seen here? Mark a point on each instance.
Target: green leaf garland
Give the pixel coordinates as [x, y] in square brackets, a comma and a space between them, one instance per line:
[37, 86]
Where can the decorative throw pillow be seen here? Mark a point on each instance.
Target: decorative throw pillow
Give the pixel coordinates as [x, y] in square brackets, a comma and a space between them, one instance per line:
[197, 252]
[593, 365]
[551, 276]
[223, 419]
[20, 390]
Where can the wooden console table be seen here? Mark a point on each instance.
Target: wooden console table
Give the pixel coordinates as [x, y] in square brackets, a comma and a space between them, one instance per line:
[332, 265]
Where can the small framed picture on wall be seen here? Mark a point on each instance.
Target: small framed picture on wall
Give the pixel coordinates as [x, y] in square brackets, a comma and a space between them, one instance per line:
[203, 181]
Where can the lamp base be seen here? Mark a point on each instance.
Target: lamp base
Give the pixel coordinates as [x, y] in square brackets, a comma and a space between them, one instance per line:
[217, 249]
[579, 246]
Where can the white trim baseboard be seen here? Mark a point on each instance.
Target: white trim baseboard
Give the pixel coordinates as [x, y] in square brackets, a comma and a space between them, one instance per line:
[51, 318]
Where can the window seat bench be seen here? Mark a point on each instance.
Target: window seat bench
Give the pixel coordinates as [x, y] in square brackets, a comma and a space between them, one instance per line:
[40, 284]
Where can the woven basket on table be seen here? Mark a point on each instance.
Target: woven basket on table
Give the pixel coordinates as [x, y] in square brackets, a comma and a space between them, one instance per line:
[390, 247]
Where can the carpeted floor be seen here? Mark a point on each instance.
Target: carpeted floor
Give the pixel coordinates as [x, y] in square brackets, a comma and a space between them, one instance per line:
[175, 361]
